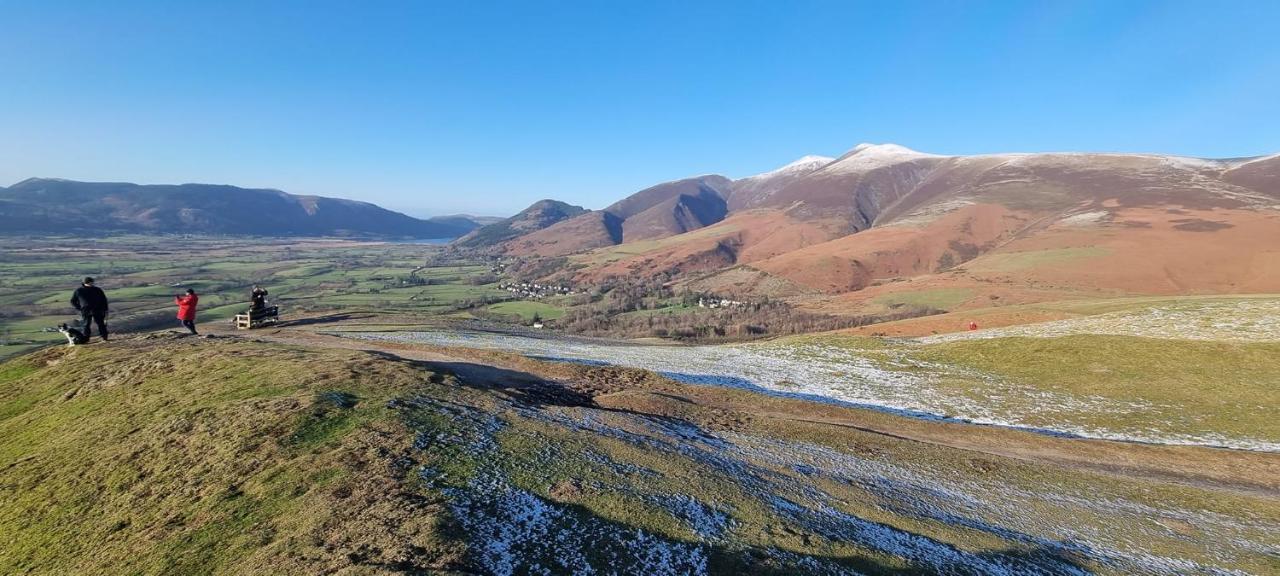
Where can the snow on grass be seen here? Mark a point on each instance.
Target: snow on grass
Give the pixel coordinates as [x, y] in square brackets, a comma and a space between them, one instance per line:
[1237, 321]
[1110, 530]
[513, 531]
[866, 157]
[1023, 524]
[892, 382]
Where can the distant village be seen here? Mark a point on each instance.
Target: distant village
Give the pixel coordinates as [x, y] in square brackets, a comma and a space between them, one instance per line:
[719, 303]
[535, 290]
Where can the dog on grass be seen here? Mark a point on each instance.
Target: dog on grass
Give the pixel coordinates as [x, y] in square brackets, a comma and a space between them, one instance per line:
[74, 337]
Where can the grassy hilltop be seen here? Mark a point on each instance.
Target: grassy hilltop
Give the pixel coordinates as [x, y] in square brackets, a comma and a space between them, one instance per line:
[168, 455]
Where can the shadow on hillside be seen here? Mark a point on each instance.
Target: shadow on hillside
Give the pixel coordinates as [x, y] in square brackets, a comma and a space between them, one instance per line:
[726, 381]
[520, 387]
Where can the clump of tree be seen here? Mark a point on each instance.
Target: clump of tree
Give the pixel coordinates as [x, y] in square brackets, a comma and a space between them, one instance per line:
[544, 270]
[451, 256]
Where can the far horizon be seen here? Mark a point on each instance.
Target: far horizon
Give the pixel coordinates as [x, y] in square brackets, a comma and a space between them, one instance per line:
[621, 193]
[435, 109]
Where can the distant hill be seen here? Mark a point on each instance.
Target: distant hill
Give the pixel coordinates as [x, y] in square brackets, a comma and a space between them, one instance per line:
[542, 214]
[47, 205]
[884, 225]
[672, 207]
[660, 211]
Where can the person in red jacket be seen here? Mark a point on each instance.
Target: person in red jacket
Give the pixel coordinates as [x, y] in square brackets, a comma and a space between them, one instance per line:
[187, 309]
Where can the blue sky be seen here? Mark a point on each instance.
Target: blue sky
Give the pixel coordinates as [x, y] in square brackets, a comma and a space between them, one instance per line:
[484, 107]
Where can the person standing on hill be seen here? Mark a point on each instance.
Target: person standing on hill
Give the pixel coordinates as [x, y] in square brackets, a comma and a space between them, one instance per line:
[91, 302]
[187, 309]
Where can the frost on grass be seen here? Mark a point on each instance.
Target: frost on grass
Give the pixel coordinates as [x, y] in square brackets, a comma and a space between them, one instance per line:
[834, 497]
[1237, 321]
[892, 382]
[1104, 530]
[513, 531]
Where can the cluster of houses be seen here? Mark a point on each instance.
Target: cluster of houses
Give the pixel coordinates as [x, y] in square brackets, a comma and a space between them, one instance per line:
[535, 290]
[719, 303]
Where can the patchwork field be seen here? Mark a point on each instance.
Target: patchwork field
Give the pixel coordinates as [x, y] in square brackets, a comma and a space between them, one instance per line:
[141, 275]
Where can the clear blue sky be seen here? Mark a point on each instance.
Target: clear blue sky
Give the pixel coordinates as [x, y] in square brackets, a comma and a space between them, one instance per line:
[484, 107]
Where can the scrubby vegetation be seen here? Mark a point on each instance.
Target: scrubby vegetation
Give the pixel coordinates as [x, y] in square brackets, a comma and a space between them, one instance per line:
[622, 308]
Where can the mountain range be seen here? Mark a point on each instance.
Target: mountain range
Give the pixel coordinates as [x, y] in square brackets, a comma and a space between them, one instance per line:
[48, 205]
[855, 233]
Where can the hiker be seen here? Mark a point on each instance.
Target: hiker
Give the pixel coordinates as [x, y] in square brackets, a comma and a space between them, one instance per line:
[187, 309]
[91, 302]
[259, 297]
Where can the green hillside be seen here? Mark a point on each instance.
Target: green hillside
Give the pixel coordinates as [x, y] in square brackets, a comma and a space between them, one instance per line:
[160, 454]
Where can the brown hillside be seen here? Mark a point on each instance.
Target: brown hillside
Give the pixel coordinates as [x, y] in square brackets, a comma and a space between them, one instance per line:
[654, 195]
[1139, 251]
[884, 227]
[853, 262]
[586, 232]
[675, 215]
[741, 238]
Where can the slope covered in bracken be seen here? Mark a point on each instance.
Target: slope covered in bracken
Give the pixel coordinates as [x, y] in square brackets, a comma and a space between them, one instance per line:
[868, 230]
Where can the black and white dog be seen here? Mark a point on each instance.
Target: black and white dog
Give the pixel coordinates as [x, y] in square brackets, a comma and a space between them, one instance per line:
[74, 337]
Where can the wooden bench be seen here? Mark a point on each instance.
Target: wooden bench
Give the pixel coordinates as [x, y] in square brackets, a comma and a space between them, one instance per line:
[258, 318]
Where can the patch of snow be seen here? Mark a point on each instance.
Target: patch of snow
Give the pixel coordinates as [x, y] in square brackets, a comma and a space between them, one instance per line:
[1240, 163]
[805, 164]
[1085, 219]
[1193, 164]
[865, 157]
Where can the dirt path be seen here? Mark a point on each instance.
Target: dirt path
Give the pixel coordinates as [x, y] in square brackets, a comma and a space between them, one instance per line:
[1242, 472]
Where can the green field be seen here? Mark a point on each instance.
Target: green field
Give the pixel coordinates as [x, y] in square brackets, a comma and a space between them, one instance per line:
[1146, 368]
[527, 310]
[141, 275]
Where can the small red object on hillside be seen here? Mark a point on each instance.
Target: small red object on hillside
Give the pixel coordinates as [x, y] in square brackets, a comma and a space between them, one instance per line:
[973, 325]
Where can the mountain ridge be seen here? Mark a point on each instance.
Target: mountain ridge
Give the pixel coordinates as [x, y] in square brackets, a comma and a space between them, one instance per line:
[837, 234]
[56, 205]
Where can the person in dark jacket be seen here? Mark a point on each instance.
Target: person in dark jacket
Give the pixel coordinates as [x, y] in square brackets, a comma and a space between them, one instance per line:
[259, 298]
[91, 302]
[187, 309]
